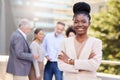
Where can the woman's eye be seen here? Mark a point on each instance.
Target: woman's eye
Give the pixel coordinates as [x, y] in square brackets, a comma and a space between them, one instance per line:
[83, 21]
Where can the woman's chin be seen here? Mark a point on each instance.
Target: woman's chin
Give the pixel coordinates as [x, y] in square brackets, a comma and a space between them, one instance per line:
[80, 33]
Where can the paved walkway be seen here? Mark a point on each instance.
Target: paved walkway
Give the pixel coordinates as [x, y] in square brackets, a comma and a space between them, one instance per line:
[3, 74]
[3, 64]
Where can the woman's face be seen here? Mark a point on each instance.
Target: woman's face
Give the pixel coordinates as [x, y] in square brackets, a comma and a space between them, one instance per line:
[39, 35]
[71, 34]
[81, 24]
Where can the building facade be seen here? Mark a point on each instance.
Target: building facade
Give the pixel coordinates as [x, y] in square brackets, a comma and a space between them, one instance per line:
[43, 13]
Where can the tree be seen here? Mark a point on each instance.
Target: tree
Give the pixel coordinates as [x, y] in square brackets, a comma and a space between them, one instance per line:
[106, 26]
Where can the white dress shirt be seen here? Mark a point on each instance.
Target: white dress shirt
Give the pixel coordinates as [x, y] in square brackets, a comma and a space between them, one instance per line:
[24, 35]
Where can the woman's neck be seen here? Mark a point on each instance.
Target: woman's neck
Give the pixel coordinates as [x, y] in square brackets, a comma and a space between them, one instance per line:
[36, 40]
[81, 38]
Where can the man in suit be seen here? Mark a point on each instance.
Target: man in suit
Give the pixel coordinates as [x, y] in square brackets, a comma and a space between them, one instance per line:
[20, 57]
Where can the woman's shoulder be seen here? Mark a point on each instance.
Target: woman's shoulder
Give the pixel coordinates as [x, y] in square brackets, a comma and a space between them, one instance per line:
[69, 39]
[95, 39]
[33, 43]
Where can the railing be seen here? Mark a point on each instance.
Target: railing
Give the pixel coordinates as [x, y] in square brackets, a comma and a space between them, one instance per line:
[101, 76]
[110, 62]
[104, 76]
[3, 58]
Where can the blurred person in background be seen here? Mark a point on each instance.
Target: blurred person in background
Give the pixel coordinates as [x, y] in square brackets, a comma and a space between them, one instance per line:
[51, 45]
[81, 55]
[20, 57]
[36, 72]
[70, 32]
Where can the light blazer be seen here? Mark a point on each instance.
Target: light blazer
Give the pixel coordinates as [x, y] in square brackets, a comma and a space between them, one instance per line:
[20, 57]
[86, 66]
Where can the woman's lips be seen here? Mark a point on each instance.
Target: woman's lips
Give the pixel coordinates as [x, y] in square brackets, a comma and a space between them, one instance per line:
[80, 29]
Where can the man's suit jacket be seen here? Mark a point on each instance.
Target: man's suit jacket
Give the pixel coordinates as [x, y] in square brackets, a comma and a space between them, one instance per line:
[20, 57]
[83, 68]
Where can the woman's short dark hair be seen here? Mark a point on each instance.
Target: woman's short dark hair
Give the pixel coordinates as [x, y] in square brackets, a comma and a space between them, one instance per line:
[69, 29]
[82, 8]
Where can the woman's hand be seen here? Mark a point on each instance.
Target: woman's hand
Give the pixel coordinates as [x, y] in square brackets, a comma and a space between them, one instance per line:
[63, 57]
[91, 55]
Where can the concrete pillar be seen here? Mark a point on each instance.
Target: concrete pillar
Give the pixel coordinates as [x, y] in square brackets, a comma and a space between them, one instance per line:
[2, 27]
[7, 25]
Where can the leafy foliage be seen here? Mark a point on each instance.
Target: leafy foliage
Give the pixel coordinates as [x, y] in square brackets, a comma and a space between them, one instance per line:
[106, 26]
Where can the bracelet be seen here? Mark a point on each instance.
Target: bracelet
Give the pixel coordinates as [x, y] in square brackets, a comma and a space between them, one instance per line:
[69, 61]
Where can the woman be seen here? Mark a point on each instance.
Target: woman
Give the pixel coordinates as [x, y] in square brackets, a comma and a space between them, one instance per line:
[74, 59]
[70, 32]
[36, 72]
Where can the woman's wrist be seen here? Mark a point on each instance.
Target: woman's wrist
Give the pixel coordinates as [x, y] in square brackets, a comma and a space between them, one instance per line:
[68, 61]
[71, 61]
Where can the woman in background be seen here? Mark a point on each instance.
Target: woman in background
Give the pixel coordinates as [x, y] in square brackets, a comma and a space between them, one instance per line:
[70, 32]
[36, 72]
[75, 58]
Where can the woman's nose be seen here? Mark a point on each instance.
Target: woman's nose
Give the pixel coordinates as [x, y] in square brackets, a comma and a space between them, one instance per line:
[80, 24]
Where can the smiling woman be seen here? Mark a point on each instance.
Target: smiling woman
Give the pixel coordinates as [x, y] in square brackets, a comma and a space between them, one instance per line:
[81, 18]
[81, 54]
[36, 72]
